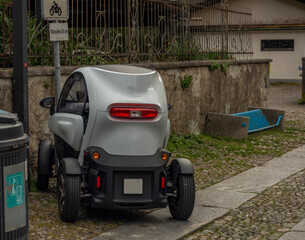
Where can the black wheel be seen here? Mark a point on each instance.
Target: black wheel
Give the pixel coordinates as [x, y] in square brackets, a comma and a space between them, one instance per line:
[59, 12]
[68, 195]
[45, 160]
[181, 207]
[51, 11]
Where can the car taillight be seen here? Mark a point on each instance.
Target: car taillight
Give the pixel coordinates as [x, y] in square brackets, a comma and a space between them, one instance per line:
[98, 182]
[162, 182]
[133, 112]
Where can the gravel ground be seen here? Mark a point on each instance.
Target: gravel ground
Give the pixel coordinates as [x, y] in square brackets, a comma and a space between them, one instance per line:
[46, 224]
[285, 97]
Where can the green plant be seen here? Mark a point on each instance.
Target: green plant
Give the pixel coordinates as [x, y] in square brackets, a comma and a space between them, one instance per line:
[37, 44]
[301, 101]
[186, 81]
[213, 66]
[46, 85]
[6, 33]
[224, 67]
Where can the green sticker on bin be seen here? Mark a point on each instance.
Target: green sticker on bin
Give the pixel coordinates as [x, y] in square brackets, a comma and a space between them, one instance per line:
[15, 189]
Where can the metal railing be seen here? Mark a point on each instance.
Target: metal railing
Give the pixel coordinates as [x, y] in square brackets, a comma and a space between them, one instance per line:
[121, 31]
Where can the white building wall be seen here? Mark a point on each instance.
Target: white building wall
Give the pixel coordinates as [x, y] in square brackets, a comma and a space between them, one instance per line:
[272, 11]
[284, 64]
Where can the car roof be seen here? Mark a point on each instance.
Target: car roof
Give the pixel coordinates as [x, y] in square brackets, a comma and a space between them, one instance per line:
[125, 69]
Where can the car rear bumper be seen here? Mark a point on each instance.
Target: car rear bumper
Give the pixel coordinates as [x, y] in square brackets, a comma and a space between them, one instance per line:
[126, 182]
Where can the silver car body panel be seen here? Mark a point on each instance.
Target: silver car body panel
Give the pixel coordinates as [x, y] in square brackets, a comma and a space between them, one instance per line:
[168, 128]
[128, 137]
[69, 127]
[112, 85]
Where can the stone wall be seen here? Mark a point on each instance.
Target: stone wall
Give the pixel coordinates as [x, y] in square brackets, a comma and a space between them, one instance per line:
[244, 83]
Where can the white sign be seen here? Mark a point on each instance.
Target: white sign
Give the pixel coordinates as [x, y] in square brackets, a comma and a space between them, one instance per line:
[52, 10]
[59, 31]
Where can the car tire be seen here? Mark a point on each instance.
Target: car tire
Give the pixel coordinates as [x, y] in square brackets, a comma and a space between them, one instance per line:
[182, 206]
[45, 157]
[68, 195]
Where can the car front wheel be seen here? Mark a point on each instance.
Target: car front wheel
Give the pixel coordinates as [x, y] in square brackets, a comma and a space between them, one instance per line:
[69, 195]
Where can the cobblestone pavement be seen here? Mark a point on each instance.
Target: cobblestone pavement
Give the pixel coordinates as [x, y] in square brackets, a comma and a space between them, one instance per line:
[279, 208]
[266, 216]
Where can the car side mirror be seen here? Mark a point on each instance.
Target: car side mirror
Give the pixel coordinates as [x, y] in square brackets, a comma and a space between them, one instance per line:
[48, 102]
[169, 107]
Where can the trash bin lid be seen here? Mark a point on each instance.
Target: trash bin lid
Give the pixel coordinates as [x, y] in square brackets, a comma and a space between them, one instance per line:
[6, 117]
[11, 130]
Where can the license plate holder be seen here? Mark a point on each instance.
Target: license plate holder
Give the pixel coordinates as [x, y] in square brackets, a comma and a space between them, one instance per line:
[133, 186]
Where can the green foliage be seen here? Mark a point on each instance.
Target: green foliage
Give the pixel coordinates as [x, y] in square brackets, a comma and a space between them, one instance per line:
[5, 36]
[37, 44]
[186, 81]
[301, 101]
[79, 45]
[214, 66]
[224, 67]
[191, 50]
[46, 85]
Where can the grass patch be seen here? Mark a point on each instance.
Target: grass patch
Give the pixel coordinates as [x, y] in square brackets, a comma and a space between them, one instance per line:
[216, 158]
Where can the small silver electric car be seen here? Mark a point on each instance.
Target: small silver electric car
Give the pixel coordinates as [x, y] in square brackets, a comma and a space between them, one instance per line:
[111, 129]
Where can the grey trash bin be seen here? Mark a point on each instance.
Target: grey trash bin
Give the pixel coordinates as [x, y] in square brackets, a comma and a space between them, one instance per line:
[13, 178]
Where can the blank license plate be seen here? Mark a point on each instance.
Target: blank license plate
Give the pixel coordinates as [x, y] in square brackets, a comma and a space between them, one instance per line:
[133, 186]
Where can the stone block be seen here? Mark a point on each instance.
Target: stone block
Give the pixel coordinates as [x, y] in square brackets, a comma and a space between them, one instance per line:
[236, 127]
[227, 126]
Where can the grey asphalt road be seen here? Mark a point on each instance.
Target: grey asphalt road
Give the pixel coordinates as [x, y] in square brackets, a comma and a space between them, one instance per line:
[285, 97]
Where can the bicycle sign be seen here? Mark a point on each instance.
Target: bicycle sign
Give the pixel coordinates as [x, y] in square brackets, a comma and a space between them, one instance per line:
[52, 10]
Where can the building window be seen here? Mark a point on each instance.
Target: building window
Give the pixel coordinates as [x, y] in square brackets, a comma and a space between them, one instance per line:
[277, 45]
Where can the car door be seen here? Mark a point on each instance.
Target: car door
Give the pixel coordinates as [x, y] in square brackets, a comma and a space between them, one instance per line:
[69, 122]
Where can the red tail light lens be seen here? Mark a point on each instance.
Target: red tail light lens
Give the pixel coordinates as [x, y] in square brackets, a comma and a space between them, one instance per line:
[133, 112]
[162, 182]
[98, 182]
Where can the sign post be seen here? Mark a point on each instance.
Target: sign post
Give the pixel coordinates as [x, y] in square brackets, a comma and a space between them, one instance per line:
[55, 11]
